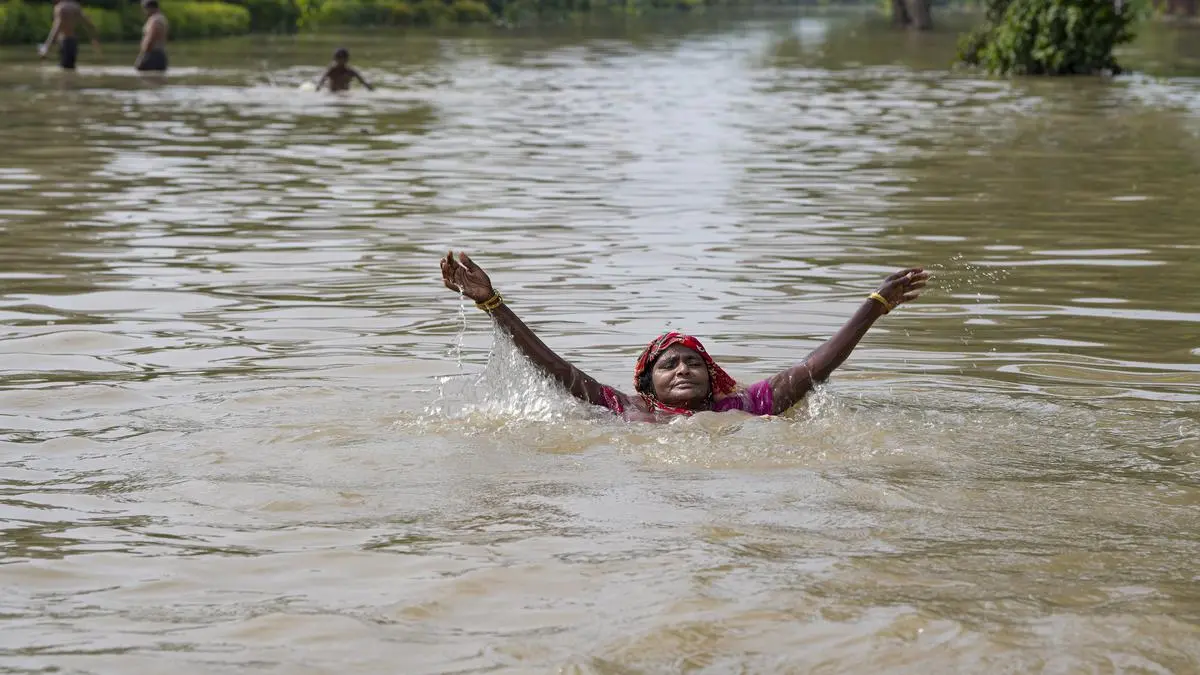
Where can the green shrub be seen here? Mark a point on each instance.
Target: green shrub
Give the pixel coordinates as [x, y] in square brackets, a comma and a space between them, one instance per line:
[470, 11]
[28, 23]
[1049, 37]
[272, 15]
[24, 24]
[205, 19]
[429, 12]
[316, 13]
[110, 23]
[357, 13]
[117, 5]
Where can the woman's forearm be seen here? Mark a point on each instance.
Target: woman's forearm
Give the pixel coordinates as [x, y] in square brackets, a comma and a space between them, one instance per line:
[792, 384]
[826, 358]
[580, 384]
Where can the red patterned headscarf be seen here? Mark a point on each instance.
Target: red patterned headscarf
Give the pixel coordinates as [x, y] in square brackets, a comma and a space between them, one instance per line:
[719, 381]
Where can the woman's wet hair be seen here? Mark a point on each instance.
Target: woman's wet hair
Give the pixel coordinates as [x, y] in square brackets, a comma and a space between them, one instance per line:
[645, 381]
[342, 53]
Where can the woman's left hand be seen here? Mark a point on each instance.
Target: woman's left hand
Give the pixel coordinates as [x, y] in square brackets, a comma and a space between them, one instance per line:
[462, 275]
[903, 286]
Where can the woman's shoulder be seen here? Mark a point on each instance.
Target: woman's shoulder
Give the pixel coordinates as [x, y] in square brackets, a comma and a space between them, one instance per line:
[624, 404]
[756, 399]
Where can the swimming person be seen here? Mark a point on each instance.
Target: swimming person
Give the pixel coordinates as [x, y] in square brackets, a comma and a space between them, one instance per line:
[153, 55]
[67, 15]
[675, 374]
[339, 75]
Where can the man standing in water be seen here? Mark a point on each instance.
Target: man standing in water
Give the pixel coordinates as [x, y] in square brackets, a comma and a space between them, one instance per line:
[153, 55]
[68, 14]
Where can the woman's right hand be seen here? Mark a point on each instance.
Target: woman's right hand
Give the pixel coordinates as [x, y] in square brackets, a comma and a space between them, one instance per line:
[903, 286]
[462, 275]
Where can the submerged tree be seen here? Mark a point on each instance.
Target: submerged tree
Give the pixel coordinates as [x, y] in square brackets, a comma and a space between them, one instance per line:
[915, 14]
[1049, 37]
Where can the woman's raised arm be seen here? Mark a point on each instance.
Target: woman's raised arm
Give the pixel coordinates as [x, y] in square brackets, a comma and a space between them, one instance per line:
[792, 384]
[463, 275]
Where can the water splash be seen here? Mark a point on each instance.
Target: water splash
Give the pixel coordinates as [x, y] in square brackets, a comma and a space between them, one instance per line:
[511, 386]
[509, 389]
[511, 396]
[960, 277]
[455, 350]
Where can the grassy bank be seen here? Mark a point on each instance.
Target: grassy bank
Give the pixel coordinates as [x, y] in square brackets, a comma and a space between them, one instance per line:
[326, 13]
[28, 23]
[320, 13]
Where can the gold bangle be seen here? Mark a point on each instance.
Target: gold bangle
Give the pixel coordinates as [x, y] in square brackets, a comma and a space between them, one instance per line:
[491, 303]
[887, 306]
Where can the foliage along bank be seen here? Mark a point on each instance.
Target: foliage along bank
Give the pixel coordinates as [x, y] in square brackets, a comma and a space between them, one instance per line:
[1019, 37]
[29, 23]
[313, 14]
[1050, 37]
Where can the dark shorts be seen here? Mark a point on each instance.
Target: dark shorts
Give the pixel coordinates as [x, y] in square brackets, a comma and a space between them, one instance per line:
[155, 59]
[68, 51]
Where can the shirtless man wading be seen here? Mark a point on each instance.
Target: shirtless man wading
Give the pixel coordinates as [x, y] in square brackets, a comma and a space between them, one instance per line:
[153, 55]
[68, 15]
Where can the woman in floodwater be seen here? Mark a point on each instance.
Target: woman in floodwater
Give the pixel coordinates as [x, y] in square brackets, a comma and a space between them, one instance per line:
[675, 374]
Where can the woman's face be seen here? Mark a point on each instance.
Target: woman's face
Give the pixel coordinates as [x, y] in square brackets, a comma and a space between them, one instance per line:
[680, 377]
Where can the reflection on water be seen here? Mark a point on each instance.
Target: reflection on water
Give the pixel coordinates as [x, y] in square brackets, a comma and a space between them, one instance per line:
[246, 429]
